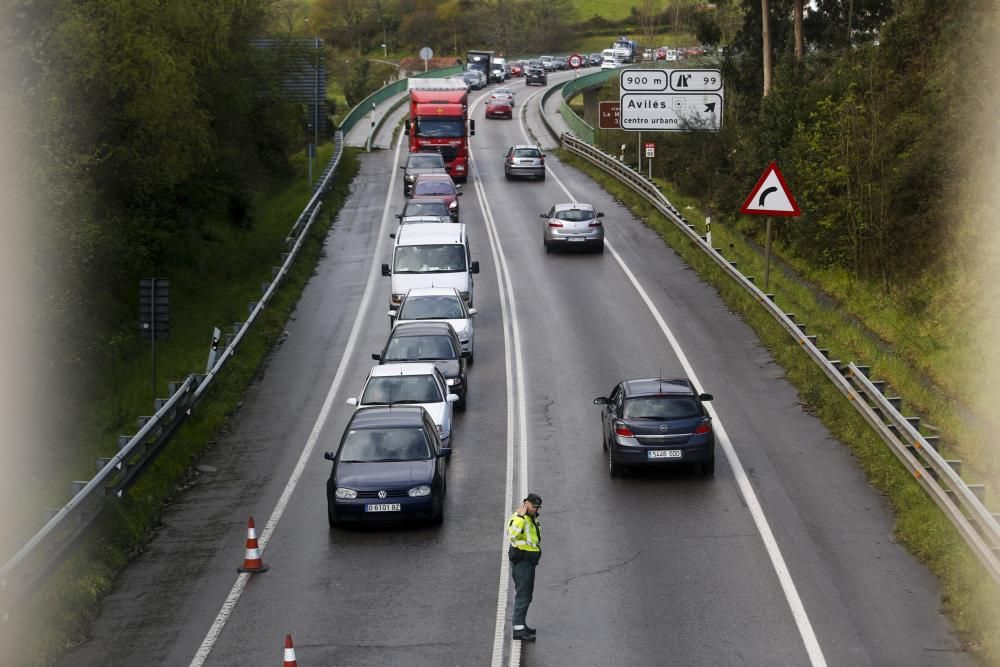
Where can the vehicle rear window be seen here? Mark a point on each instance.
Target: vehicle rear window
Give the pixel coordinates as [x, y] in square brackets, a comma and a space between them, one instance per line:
[432, 308]
[402, 389]
[426, 161]
[434, 188]
[419, 348]
[425, 208]
[392, 444]
[444, 258]
[661, 407]
[526, 152]
[575, 214]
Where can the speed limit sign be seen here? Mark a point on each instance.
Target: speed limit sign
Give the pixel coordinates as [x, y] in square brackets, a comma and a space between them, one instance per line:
[575, 60]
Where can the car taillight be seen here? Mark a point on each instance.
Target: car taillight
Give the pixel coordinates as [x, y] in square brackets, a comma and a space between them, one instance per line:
[595, 223]
[703, 428]
[543, 160]
[554, 223]
[624, 431]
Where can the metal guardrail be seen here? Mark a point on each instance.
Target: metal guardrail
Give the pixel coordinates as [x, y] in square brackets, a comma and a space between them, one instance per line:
[382, 94]
[967, 512]
[42, 555]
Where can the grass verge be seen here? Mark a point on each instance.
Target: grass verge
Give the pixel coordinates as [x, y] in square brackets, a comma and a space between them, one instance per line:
[71, 599]
[968, 596]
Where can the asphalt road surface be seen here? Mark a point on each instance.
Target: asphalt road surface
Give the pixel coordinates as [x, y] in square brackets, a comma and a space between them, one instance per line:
[784, 557]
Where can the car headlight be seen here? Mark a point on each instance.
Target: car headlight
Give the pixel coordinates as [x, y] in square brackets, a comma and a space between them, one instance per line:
[396, 299]
[453, 204]
[459, 167]
[409, 178]
[420, 491]
[345, 494]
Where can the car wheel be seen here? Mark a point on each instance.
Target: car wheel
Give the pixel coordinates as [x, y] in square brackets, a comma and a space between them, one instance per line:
[460, 403]
[614, 468]
[604, 440]
[600, 248]
[438, 517]
[506, 174]
[542, 177]
[332, 518]
[548, 248]
[707, 469]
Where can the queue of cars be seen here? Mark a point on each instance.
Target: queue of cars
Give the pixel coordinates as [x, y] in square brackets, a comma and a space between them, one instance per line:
[391, 462]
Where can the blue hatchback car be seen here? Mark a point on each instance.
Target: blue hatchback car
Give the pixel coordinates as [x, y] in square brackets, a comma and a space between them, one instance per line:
[390, 467]
[657, 421]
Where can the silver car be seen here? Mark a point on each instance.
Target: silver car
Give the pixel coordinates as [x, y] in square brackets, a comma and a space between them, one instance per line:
[439, 304]
[412, 384]
[524, 160]
[573, 225]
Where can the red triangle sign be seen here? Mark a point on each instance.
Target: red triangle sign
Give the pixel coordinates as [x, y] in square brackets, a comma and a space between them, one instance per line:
[771, 195]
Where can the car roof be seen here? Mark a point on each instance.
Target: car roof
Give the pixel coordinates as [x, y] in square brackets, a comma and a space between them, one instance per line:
[573, 205]
[435, 177]
[419, 233]
[378, 416]
[432, 291]
[516, 146]
[427, 199]
[657, 386]
[388, 370]
[423, 328]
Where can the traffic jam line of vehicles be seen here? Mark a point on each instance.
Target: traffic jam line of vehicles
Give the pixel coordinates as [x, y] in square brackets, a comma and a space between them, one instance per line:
[391, 462]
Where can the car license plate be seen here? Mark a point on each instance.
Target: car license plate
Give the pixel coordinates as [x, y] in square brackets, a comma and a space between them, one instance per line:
[383, 507]
[664, 454]
[578, 238]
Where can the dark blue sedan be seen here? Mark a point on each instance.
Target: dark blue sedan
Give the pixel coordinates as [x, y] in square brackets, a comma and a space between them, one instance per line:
[657, 421]
[390, 466]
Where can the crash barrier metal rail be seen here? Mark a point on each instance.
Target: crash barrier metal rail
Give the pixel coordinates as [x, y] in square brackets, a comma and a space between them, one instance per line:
[962, 503]
[42, 555]
[382, 94]
[541, 109]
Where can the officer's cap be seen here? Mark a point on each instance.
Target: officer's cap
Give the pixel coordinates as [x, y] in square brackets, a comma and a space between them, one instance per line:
[534, 499]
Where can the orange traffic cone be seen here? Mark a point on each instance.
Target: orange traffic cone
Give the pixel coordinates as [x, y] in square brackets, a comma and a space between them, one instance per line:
[289, 653]
[252, 562]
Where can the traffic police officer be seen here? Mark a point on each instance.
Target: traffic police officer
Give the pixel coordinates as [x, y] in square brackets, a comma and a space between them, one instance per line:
[524, 553]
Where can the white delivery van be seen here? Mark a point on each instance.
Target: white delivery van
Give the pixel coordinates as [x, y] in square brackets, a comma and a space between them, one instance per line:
[431, 255]
[609, 60]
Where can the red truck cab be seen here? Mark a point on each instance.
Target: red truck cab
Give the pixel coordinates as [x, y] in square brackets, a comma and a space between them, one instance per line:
[439, 121]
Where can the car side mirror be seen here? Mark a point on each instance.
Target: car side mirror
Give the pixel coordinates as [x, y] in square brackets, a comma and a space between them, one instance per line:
[330, 456]
[705, 397]
[602, 400]
[402, 166]
[385, 270]
[377, 356]
[445, 453]
[472, 311]
[600, 215]
[475, 267]
[452, 398]
[406, 128]
[472, 128]
[399, 216]
[543, 215]
[459, 194]
[352, 401]
[392, 235]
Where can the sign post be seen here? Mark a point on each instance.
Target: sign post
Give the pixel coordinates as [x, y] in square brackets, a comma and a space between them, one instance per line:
[771, 196]
[650, 154]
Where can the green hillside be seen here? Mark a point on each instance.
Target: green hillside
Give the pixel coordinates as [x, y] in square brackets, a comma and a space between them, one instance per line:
[612, 10]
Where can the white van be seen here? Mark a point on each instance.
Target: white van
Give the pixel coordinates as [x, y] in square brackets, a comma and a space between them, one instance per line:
[431, 255]
[499, 70]
[609, 60]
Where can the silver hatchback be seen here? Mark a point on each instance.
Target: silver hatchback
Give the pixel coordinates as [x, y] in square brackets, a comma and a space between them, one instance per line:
[573, 225]
[524, 160]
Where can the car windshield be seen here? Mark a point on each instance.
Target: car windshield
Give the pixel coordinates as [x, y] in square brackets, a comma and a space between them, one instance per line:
[419, 348]
[434, 188]
[427, 127]
[444, 307]
[575, 214]
[401, 389]
[661, 407]
[526, 152]
[444, 258]
[369, 445]
[425, 208]
[425, 161]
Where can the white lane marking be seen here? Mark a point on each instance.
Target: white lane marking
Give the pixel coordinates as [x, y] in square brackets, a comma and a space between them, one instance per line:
[798, 610]
[279, 509]
[512, 347]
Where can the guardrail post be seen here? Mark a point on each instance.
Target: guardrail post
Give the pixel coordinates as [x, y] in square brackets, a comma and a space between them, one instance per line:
[100, 463]
[123, 440]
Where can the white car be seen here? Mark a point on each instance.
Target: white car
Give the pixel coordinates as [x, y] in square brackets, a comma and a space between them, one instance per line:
[439, 304]
[410, 384]
[503, 93]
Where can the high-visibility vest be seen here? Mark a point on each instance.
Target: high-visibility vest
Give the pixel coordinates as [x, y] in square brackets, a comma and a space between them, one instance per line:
[523, 533]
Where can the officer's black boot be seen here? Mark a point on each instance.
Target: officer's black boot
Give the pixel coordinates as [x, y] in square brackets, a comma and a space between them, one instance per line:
[523, 635]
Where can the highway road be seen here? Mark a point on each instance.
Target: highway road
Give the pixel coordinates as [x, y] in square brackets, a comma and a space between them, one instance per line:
[784, 557]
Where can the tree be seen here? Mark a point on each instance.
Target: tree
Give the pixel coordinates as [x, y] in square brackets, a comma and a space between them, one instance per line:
[647, 13]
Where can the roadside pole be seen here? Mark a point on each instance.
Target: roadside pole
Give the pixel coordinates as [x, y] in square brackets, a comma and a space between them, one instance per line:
[767, 255]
